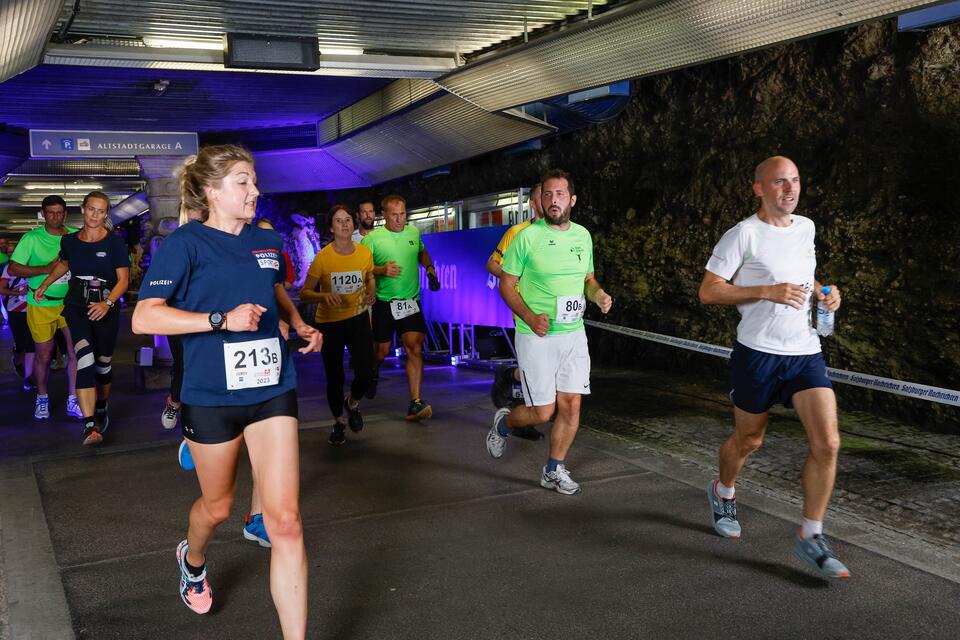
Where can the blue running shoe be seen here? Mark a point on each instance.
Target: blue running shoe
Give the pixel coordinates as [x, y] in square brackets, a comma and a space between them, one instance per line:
[818, 553]
[724, 513]
[186, 460]
[254, 530]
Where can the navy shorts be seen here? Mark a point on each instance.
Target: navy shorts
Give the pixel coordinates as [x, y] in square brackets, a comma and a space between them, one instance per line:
[213, 425]
[760, 380]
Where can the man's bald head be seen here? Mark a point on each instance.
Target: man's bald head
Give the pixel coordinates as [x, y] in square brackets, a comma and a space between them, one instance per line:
[777, 184]
[770, 163]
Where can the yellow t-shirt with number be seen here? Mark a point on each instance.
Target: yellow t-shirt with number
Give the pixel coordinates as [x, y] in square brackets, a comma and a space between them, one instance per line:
[345, 276]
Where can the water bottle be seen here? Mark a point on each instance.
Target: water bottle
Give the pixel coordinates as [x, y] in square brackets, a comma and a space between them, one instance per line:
[824, 317]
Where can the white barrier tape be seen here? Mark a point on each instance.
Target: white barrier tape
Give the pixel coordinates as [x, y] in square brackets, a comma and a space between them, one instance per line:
[899, 387]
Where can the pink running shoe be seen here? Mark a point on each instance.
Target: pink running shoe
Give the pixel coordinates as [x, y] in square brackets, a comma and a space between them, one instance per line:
[194, 591]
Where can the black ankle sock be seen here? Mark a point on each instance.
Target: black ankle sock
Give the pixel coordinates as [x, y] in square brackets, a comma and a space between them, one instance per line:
[196, 572]
[101, 405]
[89, 422]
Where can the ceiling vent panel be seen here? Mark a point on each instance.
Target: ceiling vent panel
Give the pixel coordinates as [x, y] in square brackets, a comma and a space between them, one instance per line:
[641, 39]
[396, 96]
[438, 132]
[25, 27]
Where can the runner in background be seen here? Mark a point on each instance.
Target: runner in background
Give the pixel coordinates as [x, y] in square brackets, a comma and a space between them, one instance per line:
[398, 253]
[506, 379]
[343, 270]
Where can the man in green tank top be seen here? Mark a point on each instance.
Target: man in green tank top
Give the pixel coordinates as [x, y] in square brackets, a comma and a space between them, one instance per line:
[36, 255]
[398, 253]
[547, 279]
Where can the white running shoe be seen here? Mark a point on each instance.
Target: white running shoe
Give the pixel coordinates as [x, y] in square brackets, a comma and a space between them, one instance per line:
[169, 416]
[496, 442]
[73, 408]
[559, 480]
[41, 410]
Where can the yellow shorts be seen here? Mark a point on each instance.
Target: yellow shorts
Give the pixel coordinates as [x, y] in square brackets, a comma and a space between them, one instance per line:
[44, 322]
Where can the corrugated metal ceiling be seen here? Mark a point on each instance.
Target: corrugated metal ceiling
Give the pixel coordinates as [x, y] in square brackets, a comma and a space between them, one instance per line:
[462, 27]
[639, 39]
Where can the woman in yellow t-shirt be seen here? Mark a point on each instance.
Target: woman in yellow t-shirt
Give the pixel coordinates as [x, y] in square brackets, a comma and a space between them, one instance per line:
[341, 281]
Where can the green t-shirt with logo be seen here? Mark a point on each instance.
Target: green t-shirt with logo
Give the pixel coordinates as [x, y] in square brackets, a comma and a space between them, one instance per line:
[403, 247]
[552, 266]
[37, 248]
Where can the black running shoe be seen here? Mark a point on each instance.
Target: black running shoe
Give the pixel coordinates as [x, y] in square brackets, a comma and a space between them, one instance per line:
[527, 433]
[418, 410]
[354, 419]
[336, 436]
[372, 391]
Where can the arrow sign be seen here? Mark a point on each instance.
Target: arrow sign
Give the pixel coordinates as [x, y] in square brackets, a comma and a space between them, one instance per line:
[50, 143]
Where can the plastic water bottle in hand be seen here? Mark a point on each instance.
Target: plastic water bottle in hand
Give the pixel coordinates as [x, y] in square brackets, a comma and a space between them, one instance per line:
[824, 317]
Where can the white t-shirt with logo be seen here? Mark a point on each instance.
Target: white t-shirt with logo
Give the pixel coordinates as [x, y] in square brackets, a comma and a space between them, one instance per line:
[755, 253]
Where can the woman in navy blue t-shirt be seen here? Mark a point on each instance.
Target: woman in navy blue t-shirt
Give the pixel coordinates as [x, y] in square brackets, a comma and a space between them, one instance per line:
[216, 284]
[99, 268]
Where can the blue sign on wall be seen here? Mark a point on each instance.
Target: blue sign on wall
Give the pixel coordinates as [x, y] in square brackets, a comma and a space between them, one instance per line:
[46, 143]
[468, 294]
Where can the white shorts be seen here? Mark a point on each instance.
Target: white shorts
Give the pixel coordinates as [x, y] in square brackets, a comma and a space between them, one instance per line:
[551, 364]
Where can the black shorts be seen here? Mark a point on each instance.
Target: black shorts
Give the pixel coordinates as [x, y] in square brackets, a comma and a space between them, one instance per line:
[22, 340]
[213, 425]
[384, 324]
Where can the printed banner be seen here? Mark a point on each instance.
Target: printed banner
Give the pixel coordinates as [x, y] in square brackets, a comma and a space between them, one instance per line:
[468, 294]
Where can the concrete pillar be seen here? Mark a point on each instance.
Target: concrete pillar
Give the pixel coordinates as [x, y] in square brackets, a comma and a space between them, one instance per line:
[163, 194]
[163, 191]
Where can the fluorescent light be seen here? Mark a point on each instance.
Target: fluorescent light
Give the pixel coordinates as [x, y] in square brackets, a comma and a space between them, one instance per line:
[341, 51]
[171, 43]
[36, 186]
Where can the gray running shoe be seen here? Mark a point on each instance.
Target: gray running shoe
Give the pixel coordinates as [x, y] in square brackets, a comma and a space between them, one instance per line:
[818, 553]
[496, 442]
[559, 480]
[724, 513]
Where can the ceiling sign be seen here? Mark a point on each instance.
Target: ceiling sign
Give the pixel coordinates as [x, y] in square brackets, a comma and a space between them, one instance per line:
[49, 143]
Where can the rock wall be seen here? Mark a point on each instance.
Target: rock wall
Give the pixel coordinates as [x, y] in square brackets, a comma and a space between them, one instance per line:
[870, 116]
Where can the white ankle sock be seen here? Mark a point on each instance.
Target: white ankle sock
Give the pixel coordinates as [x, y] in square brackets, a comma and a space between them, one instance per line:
[811, 528]
[724, 491]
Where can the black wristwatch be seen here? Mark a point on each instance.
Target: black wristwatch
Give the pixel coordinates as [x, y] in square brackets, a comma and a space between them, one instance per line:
[217, 320]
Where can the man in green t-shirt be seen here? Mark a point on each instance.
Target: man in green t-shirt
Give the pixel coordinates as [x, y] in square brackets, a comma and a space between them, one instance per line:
[551, 262]
[36, 255]
[398, 253]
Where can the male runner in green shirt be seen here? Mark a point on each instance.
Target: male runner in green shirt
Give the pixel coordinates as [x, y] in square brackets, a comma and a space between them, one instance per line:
[397, 253]
[552, 261]
[36, 255]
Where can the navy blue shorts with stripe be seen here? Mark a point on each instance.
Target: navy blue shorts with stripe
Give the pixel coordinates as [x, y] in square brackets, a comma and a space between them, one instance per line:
[760, 380]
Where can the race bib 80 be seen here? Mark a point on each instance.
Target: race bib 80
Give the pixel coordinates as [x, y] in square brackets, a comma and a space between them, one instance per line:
[570, 309]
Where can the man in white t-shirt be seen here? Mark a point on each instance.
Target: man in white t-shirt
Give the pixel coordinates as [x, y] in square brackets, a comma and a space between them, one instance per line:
[765, 265]
[366, 216]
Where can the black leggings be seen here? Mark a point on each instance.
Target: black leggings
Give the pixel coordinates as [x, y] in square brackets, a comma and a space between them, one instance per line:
[94, 342]
[176, 373]
[354, 333]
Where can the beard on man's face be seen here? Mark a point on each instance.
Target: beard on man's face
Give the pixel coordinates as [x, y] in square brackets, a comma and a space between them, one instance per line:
[367, 224]
[557, 216]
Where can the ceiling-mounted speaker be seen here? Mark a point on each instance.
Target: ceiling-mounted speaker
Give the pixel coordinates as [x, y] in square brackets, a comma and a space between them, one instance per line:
[287, 53]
